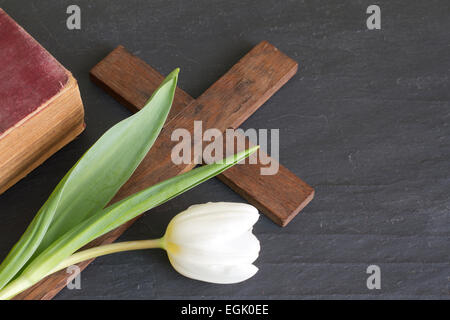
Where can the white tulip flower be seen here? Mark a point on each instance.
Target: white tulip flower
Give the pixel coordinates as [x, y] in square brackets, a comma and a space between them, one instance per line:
[213, 242]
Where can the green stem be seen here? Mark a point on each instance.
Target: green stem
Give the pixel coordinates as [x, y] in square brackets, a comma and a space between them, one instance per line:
[20, 284]
[14, 288]
[107, 249]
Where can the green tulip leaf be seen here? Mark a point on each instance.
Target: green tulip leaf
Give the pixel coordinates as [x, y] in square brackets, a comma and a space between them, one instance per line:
[121, 212]
[94, 180]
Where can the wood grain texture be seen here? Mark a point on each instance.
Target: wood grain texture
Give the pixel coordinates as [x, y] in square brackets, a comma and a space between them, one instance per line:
[226, 104]
[131, 81]
[280, 196]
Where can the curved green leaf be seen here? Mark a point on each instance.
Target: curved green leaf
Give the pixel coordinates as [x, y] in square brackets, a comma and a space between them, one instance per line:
[94, 180]
[119, 213]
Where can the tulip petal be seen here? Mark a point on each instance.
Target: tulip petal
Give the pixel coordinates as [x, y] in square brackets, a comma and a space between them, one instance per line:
[212, 222]
[213, 242]
[243, 249]
[210, 207]
[222, 274]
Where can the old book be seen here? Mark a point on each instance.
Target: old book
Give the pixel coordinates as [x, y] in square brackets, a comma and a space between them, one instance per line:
[40, 104]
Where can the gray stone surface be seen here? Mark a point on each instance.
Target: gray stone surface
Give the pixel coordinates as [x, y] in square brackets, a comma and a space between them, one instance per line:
[365, 121]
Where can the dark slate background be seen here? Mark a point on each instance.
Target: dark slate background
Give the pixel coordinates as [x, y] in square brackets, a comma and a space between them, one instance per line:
[365, 121]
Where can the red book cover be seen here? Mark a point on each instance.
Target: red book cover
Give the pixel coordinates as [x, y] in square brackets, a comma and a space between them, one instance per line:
[40, 104]
[29, 75]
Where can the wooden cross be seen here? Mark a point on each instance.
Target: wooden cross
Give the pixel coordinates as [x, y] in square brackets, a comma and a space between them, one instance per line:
[226, 104]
